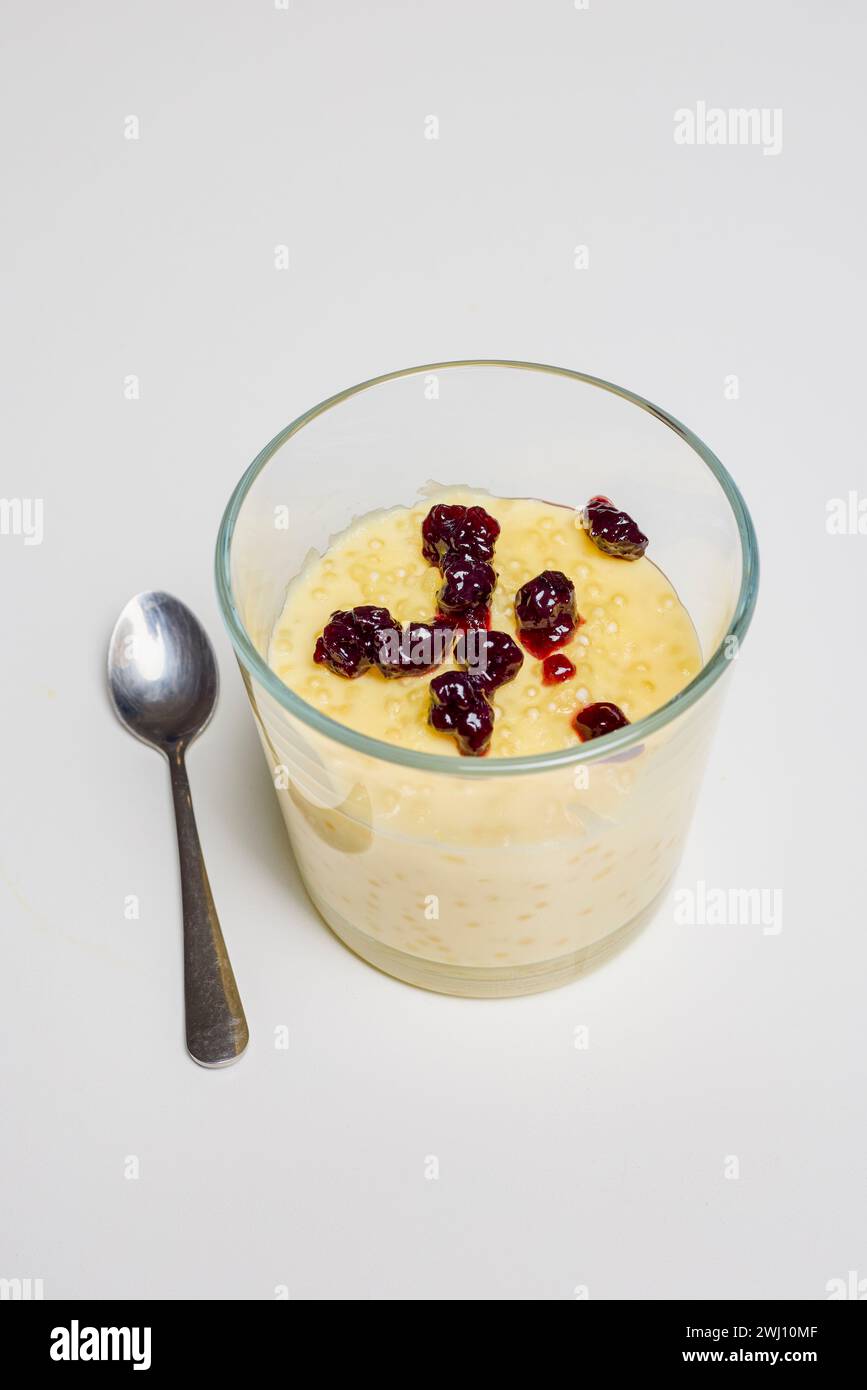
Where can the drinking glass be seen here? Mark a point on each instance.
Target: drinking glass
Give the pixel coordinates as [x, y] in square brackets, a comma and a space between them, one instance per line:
[486, 876]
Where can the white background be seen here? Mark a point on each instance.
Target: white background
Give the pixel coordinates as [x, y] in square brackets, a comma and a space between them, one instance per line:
[559, 1167]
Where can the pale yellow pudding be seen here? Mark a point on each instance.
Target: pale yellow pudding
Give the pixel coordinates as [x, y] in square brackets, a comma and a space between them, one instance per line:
[636, 646]
[477, 883]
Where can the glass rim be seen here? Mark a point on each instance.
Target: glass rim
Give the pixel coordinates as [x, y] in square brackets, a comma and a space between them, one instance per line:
[595, 750]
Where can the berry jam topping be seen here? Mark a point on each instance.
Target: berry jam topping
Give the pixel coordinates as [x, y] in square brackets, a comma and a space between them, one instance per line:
[468, 585]
[468, 532]
[447, 631]
[612, 531]
[557, 668]
[458, 706]
[596, 720]
[347, 644]
[546, 612]
[476, 619]
[491, 658]
[413, 651]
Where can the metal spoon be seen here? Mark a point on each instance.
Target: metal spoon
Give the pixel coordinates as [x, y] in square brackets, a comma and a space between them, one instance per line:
[162, 676]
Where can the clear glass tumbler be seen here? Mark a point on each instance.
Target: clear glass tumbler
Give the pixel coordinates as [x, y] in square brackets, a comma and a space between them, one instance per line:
[488, 876]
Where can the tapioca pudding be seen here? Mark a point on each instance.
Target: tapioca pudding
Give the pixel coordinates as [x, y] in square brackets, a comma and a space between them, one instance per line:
[632, 644]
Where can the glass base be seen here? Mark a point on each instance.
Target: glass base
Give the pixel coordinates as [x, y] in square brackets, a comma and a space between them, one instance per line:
[474, 982]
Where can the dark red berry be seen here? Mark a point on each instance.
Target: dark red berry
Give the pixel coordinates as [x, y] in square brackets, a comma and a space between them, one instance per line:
[546, 612]
[469, 532]
[612, 531]
[370, 620]
[438, 528]
[491, 657]
[556, 668]
[342, 647]
[347, 644]
[599, 719]
[459, 707]
[413, 651]
[468, 585]
[478, 534]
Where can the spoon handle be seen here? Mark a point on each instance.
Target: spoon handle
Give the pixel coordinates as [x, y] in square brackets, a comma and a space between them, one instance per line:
[215, 1024]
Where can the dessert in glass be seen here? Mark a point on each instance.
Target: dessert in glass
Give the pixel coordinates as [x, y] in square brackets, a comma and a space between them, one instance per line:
[484, 612]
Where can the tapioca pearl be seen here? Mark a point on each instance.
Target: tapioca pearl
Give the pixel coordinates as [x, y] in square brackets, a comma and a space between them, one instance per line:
[666, 604]
[611, 628]
[594, 592]
[583, 695]
[618, 600]
[375, 543]
[546, 524]
[583, 571]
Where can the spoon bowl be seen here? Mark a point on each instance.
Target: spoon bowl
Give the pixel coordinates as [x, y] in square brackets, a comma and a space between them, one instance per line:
[162, 673]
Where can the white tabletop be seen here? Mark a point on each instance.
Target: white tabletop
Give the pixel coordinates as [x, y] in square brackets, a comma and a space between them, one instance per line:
[605, 1168]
